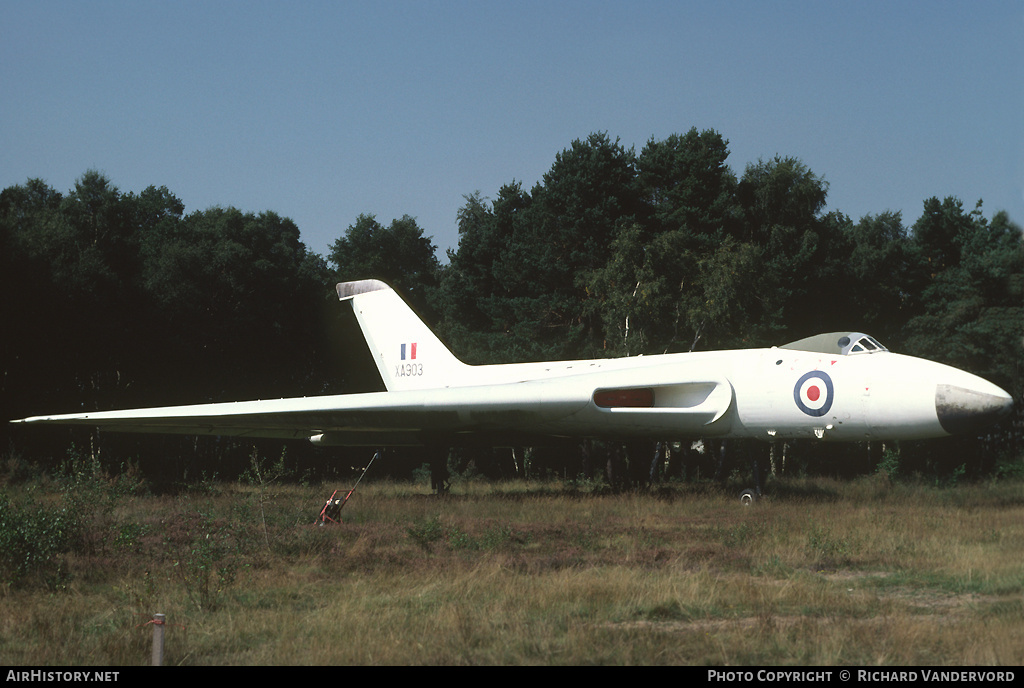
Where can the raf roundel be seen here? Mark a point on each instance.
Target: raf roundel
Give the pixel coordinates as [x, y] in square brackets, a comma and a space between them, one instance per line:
[813, 393]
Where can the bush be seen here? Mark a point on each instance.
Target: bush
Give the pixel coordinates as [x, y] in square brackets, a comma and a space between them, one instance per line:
[37, 533]
[34, 540]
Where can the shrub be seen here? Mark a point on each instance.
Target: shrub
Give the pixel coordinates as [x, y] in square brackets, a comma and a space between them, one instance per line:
[34, 539]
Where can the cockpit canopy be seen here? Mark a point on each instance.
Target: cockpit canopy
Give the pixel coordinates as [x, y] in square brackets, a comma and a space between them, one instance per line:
[838, 343]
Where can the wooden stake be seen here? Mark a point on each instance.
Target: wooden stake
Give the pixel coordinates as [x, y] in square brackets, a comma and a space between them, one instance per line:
[158, 639]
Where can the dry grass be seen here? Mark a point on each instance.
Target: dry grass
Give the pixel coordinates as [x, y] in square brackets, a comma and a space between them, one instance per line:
[822, 573]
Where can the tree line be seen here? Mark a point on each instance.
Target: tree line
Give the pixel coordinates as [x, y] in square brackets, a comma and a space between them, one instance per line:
[116, 299]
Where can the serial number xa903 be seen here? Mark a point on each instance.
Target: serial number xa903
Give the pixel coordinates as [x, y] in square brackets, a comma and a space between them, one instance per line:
[409, 370]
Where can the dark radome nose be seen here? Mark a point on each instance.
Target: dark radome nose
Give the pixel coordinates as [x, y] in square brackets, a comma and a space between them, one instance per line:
[963, 410]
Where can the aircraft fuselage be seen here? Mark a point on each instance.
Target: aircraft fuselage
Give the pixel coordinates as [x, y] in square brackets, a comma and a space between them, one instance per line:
[765, 394]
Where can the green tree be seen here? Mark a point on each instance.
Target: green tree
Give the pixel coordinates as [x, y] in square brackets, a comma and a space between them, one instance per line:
[665, 284]
[585, 196]
[666, 295]
[529, 255]
[688, 185]
[469, 286]
[803, 252]
[941, 233]
[971, 312]
[398, 254]
[238, 298]
[76, 266]
[30, 376]
[880, 280]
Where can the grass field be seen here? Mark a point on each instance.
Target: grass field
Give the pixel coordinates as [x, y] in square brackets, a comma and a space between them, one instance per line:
[820, 573]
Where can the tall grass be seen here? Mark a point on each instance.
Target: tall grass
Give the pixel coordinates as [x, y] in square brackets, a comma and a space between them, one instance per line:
[824, 572]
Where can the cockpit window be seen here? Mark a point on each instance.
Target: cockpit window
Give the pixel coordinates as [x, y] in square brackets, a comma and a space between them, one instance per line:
[865, 345]
[842, 343]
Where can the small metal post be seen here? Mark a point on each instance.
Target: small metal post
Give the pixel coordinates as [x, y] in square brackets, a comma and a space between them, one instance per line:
[158, 639]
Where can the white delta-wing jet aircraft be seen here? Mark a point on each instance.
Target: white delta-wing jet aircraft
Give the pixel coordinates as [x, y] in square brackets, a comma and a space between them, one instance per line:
[834, 387]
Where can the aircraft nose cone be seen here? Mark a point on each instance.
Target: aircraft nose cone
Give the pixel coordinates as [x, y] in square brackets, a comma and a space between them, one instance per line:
[963, 410]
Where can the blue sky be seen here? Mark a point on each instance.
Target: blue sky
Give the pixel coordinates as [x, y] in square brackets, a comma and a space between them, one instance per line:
[321, 111]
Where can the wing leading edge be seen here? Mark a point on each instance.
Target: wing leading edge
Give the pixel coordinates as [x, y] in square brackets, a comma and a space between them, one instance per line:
[343, 419]
[501, 414]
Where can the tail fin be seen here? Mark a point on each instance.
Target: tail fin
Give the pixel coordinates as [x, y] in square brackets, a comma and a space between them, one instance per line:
[407, 353]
